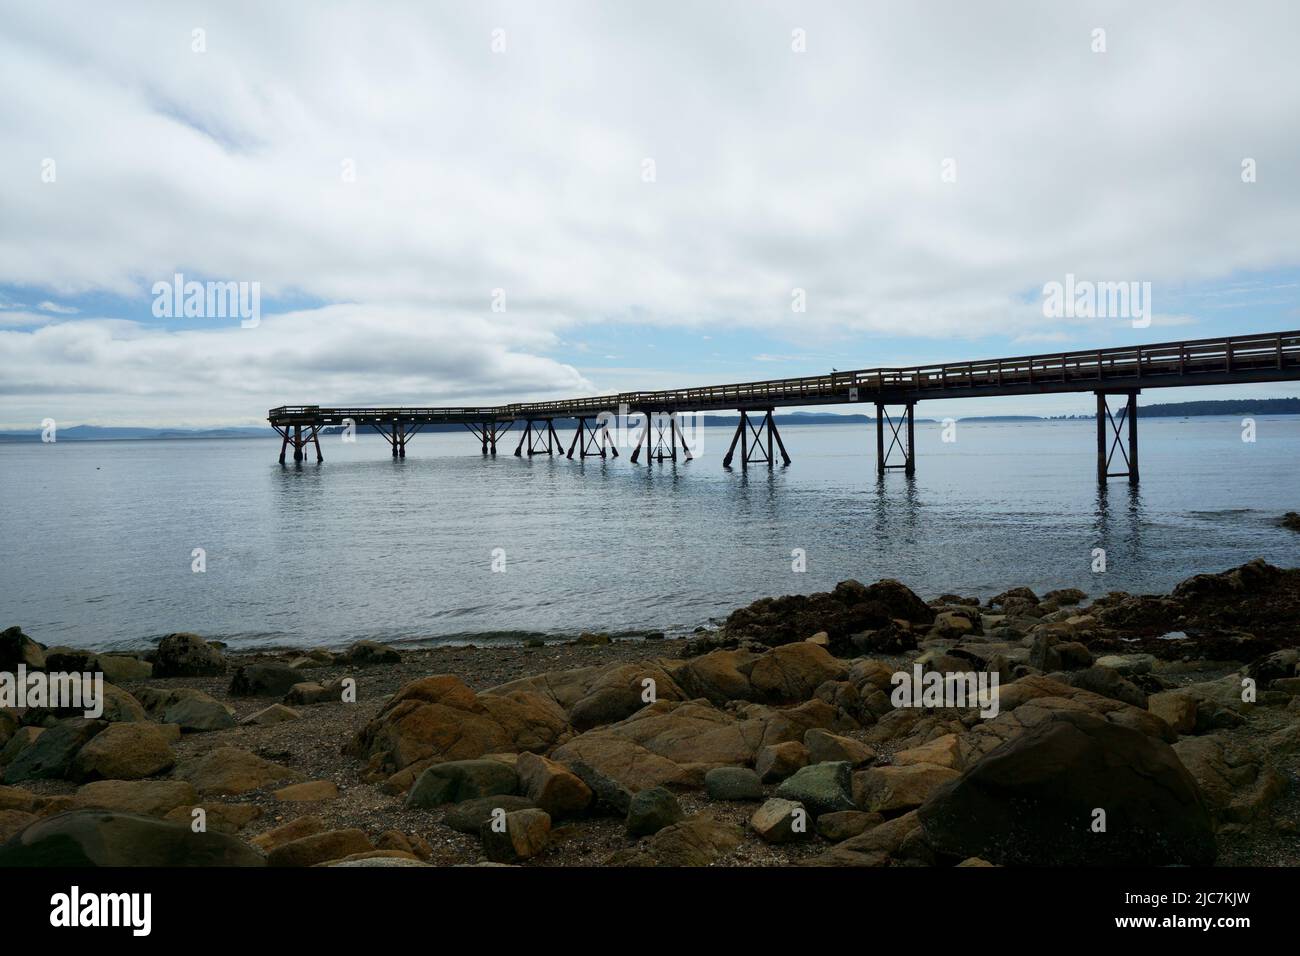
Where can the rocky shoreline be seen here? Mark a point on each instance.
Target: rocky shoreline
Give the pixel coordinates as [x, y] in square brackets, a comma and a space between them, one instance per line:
[1128, 729]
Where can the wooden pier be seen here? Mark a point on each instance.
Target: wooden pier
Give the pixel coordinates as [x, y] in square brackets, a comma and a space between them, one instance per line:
[1116, 375]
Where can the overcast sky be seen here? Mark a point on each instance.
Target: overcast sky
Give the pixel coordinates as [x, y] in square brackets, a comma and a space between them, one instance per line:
[646, 183]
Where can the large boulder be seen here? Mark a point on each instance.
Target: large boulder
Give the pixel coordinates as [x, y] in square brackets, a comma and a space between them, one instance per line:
[775, 762]
[51, 754]
[552, 786]
[469, 816]
[1236, 784]
[152, 798]
[675, 744]
[459, 780]
[885, 789]
[793, 672]
[1033, 800]
[17, 648]
[651, 810]
[846, 610]
[521, 836]
[781, 821]
[313, 692]
[820, 787]
[320, 848]
[878, 844]
[22, 738]
[128, 751]
[190, 709]
[116, 705]
[123, 668]
[697, 841]
[1108, 683]
[187, 655]
[1176, 709]
[592, 696]
[733, 783]
[99, 838]
[196, 712]
[263, 680]
[439, 718]
[232, 771]
[13, 822]
[825, 746]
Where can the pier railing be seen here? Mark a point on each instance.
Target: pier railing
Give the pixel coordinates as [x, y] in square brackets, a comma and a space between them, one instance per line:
[1268, 357]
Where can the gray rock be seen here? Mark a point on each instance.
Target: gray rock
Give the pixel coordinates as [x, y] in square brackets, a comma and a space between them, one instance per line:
[733, 783]
[821, 787]
[697, 841]
[263, 680]
[195, 712]
[187, 655]
[612, 798]
[311, 692]
[460, 780]
[22, 738]
[468, 816]
[374, 861]
[778, 761]
[52, 753]
[524, 835]
[781, 821]
[100, 838]
[844, 824]
[371, 652]
[1127, 664]
[1031, 801]
[269, 716]
[121, 668]
[70, 660]
[651, 810]
[8, 725]
[118, 706]
[1108, 683]
[17, 648]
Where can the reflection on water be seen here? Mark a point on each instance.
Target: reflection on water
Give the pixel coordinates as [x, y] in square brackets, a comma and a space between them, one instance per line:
[98, 536]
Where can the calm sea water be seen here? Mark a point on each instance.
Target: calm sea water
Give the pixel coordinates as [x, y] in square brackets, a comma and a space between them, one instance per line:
[98, 536]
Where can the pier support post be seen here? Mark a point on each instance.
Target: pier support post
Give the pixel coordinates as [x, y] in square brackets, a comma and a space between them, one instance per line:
[592, 441]
[293, 435]
[902, 437]
[543, 441]
[397, 434]
[487, 433]
[636, 451]
[761, 450]
[1111, 434]
[661, 439]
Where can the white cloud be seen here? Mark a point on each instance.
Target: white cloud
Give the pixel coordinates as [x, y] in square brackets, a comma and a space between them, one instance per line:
[57, 309]
[69, 370]
[522, 171]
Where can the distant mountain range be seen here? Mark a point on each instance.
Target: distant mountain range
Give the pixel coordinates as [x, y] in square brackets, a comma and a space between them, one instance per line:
[1261, 406]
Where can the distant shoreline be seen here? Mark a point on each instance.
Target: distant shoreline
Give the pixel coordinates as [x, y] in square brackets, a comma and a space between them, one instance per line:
[1205, 409]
